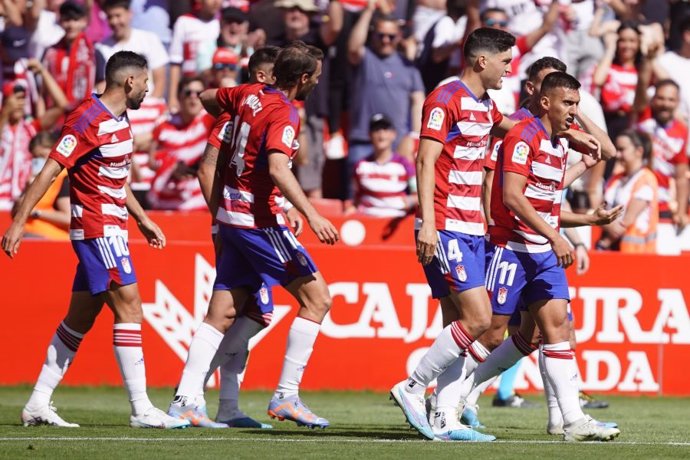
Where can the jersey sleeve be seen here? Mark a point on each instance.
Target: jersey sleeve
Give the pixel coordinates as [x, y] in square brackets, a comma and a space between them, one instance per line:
[492, 153]
[221, 130]
[496, 114]
[73, 144]
[227, 98]
[282, 131]
[436, 119]
[517, 155]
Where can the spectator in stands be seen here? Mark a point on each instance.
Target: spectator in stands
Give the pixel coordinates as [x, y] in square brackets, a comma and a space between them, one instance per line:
[656, 117]
[225, 69]
[153, 16]
[72, 60]
[51, 216]
[615, 76]
[234, 36]
[385, 182]
[582, 50]
[675, 64]
[384, 81]
[48, 31]
[178, 145]
[125, 37]
[17, 129]
[303, 22]
[191, 31]
[636, 189]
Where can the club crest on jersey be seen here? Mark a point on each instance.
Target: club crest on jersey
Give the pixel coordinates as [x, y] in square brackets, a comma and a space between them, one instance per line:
[460, 271]
[520, 152]
[436, 119]
[66, 145]
[502, 295]
[288, 136]
[263, 295]
[126, 267]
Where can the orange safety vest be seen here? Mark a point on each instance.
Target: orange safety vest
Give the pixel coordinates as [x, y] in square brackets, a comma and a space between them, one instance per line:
[41, 227]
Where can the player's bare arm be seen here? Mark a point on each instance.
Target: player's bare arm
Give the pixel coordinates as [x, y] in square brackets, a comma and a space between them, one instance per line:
[515, 200]
[578, 169]
[600, 216]
[503, 127]
[427, 238]
[12, 238]
[207, 175]
[208, 100]
[583, 142]
[279, 170]
[153, 234]
[680, 217]
[608, 150]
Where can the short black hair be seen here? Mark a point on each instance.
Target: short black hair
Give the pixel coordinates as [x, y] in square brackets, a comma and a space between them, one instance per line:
[121, 60]
[72, 10]
[265, 55]
[487, 39]
[293, 61]
[110, 4]
[547, 62]
[559, 80]
[666, 82]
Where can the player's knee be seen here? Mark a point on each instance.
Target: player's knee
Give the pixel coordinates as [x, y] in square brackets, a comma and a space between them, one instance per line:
[491, 340]
[130, 311]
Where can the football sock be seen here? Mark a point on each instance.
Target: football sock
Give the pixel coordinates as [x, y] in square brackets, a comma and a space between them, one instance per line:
[448, 387]
[476, 354]
[447, 348]
[130, 358]
[201, 351]
[555, 418]
[562, 374]
[474, 395]
[507, 384]
[59, 356]
[300, 344]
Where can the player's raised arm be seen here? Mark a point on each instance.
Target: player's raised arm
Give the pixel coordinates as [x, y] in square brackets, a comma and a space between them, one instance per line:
[279, 170]
[427, 238]
[210, 103]
[38, 188]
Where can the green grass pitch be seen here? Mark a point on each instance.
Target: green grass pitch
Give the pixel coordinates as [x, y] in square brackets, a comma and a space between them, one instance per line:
[363, 425]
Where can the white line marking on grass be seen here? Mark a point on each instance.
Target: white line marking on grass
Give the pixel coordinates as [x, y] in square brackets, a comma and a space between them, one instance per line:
[320, 440]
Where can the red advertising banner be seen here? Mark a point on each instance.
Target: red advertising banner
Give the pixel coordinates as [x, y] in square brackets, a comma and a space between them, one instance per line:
[631, 313]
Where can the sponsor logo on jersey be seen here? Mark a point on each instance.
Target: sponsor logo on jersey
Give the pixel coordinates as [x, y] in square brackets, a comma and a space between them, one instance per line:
[502, 295]
[462, 274]
[520, 152]
[66, 145]
[288, 136]
[126, 267]
[436, 119]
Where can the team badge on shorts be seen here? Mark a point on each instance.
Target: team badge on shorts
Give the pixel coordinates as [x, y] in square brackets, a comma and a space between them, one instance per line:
[502, 295]
[301, 259]
[126, 267]
[462, 274]
[263, 295]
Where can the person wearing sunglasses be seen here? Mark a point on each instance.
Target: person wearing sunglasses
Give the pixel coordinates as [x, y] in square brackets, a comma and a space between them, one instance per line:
[176, 150]
[225, 71]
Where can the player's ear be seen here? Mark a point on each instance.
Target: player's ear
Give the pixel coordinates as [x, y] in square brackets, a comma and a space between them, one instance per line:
[481, 62]
[529, 88]
[544, 101]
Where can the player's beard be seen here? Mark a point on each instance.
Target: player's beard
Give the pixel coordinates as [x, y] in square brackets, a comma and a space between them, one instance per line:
[304, 92]
[135, 102]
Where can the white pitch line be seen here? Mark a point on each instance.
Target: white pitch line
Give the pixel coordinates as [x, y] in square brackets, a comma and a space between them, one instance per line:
[322, 440]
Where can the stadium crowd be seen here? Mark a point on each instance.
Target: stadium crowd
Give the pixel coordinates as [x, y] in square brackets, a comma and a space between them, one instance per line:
[360, 127]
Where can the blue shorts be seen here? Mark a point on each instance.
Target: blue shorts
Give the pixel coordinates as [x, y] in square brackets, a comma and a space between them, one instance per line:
[516, 278]
[102, 261]
[458, 264]
[250, 257]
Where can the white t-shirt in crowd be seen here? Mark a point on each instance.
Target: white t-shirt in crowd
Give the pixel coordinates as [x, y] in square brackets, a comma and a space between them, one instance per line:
[678, 69]
[189, 33]
[48, 32]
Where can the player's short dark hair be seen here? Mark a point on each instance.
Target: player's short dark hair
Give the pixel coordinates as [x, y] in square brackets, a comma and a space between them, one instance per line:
[547, 62]
[293, 61]
[121, 60]
[110, 4]
[559, 80]
[265, 55]
[666, 82]
[489, 40]
[185, 81]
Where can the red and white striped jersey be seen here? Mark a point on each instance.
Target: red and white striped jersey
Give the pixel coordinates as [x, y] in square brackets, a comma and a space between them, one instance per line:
[618, 91]
[669, 148]
[151, 113]
[96, 148]
[382, 188]
[527, 150]
[461, 121]
[497, 142]
[264, 121]
[179, 142]
[15, 160]
[189, 33]
[221, 131]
